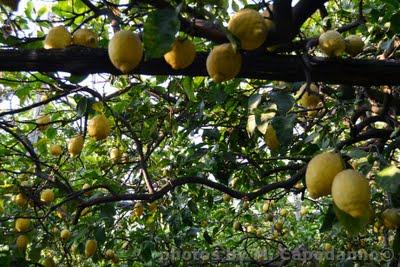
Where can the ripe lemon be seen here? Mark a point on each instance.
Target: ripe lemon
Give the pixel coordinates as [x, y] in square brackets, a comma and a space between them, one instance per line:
[109, 254]
[65, 234]
[223, 63]
[43, 122]
[226, 198]
[75, 145]
[332, 43]
[22, 224]
[21, 200]
[49, 262]
[270, 138]
[153, 206]
[86, 186]
[278, 226]
[391, 218]
[47, 196]
[321, 171]
[308, 100]
[22, 242]
[57, 37]
[115, 155]
[181, 55]
[354, 45]
[351, 193]
[328, 247]
[249, 26]
[99, 127]
[84, 37]
[55, 150]
[90, 247]
[125, 50]
[265, 206]
[138, 209]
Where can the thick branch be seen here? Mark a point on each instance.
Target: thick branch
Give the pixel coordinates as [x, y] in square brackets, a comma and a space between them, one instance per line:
[288, 68]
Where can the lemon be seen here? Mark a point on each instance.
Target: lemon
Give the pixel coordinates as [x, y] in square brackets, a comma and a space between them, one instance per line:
[391, 218]
[22, 224]
[265, 206]
[332, 43]
[90, 247]
[309, 100]
[99, 127]
[57, 37]
[249, 26]
[278, 226]
[251, 229]
[65, 234]
[237, 226]
[75, 145]
[351, 193]
[22, 242]
[43, 122]
[354, 45]
[85, 211]
[283, 212]
[125, 50]
[49, 262]
[10, 3]
[109, 254]
[328, 247]
[138, 209]
[85, 37]
[223, 63]
[153, 206]
[226, 198]
[181, 55]
[115, 155]
[47, 196]
[321, 171]
[270, 138]
[86, 186]
[55, 150]
[21, 200]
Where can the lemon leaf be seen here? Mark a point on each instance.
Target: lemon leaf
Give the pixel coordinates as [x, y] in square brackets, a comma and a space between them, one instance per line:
[159, 32]
[389, 179]
[351, 224]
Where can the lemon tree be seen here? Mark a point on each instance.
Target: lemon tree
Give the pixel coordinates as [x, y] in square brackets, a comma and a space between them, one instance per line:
[187, 133]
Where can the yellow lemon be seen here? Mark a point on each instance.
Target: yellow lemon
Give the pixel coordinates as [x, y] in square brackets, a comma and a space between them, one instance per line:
[75, 145]
[22, 242]
[57, 37]
[321, 171]
[99, 127]
[223, 63]
[49, 262]
[328, 247]
[270, 138]
[181, 55]
[354, 45]
[109, 254]
[22, 224]
[90, 247]
[85, 37]
[309, 100]
[43, 122]
[125, 50]
[115, 155]
[249, 26]
[226, 197]
[138, 209]
[21, 200]
[351, 193]
[391, 218]
[332, 43]
[47, 196]
[65, 234]
[55, 150]
[278, 226]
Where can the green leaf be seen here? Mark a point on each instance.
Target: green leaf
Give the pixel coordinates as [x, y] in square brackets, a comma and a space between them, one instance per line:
[81, 107]
[146, 250]
[100, 234]
[351, 224]
[77, 78]
[284, 128]
[329, 220]
[159, 32]
[207, 237]
[284, 101]
[389, 179]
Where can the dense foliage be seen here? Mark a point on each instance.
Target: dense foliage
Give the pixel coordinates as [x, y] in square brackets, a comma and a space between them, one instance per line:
[187, 176]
